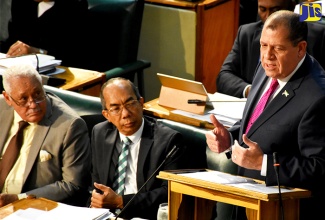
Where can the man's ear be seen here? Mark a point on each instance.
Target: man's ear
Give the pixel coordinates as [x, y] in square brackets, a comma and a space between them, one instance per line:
[7, 98]
[302, 48]
[106, 114]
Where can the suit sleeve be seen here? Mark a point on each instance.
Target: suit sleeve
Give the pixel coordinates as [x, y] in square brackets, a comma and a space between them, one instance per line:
[229, 80]
[146, 203]
[73, 158]
[305, 167]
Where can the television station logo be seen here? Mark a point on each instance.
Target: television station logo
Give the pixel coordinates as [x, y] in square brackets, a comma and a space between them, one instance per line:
[310, 11]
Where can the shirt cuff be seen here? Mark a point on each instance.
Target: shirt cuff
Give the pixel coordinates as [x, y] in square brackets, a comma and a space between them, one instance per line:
[22, 196]
[264, 165]
[229, 150]
[244, 91]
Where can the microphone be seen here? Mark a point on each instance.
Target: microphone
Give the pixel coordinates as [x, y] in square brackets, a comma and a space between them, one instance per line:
[198, 101]
[276, 165]
[170, 154]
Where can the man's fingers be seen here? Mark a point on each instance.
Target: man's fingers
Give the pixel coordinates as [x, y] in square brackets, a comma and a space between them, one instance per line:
[214, 121]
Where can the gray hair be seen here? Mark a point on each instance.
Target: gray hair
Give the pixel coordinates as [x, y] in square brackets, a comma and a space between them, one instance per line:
[298, 30]
[16, 71]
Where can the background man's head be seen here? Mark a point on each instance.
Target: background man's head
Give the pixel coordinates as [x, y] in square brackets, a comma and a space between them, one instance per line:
[267, 7]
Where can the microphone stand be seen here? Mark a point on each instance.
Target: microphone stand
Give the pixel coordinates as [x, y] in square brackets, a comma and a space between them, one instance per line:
[171, 153]
[276, 165]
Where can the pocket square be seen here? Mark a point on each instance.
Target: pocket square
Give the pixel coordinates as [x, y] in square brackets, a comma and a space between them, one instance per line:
[44, 156]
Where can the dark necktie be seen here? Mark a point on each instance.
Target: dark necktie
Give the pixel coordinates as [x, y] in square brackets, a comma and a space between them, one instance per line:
[262, 103]
[120, 173]
[12, 152]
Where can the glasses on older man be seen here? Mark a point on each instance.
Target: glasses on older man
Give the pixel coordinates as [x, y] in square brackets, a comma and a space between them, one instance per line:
[117, 109]
[27, 102]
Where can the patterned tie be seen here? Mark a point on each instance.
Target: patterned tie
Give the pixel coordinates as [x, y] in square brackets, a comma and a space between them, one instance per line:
[10, 156]
[262, 103]
[120, 173]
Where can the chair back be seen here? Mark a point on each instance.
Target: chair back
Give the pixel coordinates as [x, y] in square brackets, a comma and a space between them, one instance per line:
[114, 31]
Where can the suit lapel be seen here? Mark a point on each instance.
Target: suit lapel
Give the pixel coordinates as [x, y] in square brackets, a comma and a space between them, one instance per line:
[145, 146]
[6, 120]
[110, 140]
[40, 135]
[283, 97]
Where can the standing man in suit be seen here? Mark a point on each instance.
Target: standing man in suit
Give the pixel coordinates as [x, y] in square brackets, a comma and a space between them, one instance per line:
[151, 142]
[292, 123]
[54, 156]
[237, 72]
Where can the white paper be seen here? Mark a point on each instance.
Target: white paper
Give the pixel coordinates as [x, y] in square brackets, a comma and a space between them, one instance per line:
[63, 211]
[261, 188]
[227, 106]
[27, 214]
[45, 62]
[217, 177]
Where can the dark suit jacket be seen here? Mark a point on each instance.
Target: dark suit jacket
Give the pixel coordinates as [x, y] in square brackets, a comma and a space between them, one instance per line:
[292, 126]
[239, 66]
[60, 30]
[156, 141]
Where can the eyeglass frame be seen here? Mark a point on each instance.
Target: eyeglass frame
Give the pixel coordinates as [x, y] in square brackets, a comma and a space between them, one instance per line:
[128, 105]
[28, 103]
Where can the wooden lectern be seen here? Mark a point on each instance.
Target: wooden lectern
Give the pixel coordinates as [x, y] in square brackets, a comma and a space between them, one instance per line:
[259, 205]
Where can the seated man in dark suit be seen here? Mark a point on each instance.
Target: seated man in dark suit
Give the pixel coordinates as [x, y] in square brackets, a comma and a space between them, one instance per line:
[237, 72]
[150, 143]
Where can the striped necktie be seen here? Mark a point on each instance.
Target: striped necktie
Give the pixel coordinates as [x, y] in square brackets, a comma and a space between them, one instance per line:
[120, 173]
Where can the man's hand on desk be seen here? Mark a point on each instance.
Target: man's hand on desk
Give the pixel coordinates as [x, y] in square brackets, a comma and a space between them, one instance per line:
[5, 199]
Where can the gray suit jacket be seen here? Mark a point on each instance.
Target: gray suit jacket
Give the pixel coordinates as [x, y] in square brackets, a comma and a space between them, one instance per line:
[293, 126]
[156, 141]
[64, 135]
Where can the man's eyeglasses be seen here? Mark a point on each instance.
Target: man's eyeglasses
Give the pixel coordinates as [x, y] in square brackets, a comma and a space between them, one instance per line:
[26, 102]
[130, 105]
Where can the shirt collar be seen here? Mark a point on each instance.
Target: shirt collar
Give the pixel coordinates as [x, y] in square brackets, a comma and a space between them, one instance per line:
[134, 137]
[286, 79]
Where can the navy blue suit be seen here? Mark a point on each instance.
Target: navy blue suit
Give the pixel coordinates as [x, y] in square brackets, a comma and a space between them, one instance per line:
[292, 126]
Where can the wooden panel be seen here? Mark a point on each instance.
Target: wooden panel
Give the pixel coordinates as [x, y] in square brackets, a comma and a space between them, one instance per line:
[81, 80]
[217, 29]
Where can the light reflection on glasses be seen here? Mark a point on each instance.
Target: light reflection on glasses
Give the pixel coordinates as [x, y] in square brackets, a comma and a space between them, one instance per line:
[130, 105]
[26, 103]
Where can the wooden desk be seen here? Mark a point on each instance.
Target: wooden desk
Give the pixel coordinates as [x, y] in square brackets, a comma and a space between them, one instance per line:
[259, 206]
[154, 109]
[39, 203]
[80, 80]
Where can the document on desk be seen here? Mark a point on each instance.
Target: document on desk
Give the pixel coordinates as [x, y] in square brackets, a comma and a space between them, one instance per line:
[233, 180]
[46, 63]
[62, 211]
[227, 106]
[227, 109]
